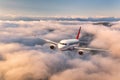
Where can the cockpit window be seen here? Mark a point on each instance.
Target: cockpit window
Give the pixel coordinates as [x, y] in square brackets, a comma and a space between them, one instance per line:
[63, 43]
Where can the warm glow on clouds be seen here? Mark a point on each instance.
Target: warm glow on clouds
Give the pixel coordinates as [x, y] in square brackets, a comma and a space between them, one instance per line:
[24, 56]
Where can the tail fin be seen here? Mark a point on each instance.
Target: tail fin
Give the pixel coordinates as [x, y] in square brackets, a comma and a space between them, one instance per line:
[77, 37]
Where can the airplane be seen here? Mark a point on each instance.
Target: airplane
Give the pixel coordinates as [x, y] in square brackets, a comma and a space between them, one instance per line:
[70, 45]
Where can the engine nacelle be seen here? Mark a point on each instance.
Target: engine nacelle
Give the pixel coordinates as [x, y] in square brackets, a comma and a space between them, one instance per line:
[52, 46]
[81, 52]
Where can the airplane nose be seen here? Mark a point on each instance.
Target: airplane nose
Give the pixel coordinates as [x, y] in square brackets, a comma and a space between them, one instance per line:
[60, 46]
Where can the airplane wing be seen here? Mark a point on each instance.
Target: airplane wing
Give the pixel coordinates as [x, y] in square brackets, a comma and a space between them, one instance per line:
[89, 49]
[49, 41]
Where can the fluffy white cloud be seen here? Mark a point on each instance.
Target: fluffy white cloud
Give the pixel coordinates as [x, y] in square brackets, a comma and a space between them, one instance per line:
[23, 57]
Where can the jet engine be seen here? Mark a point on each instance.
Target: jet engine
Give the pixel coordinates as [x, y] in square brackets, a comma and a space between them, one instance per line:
[81, 52]
[52, 46]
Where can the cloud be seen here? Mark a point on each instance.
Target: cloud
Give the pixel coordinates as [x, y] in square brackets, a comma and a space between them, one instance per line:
[56, 18]
[107, 38]
[24, 56]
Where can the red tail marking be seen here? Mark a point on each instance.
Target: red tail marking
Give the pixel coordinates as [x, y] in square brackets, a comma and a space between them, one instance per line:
[77, 37]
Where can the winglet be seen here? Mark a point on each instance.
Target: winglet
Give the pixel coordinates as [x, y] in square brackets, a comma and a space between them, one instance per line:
[77, 37]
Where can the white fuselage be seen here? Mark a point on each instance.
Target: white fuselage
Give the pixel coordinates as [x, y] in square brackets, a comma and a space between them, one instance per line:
[68, 44]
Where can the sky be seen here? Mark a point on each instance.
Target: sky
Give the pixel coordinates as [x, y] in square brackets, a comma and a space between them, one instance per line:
[83, 8]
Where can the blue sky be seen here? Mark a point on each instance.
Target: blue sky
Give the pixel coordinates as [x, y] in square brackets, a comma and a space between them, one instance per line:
[85, 8]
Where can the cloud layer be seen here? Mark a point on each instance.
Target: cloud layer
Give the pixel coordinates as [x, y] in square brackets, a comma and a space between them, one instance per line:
[24, 56]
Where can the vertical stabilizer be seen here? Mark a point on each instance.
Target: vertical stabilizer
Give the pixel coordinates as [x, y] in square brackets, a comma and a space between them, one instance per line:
[77, 37]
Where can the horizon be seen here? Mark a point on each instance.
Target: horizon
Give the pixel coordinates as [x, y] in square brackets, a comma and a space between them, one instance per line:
[28, 18]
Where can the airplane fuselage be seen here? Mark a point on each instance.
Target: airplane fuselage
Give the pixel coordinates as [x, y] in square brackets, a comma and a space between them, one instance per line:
[68, 44]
